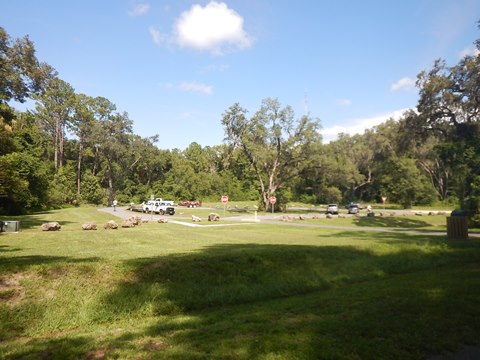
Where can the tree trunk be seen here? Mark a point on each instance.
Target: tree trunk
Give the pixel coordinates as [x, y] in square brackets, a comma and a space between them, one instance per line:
[79, 166]
[111, 192]
[62, 145]
[55, 145]
[95, 161]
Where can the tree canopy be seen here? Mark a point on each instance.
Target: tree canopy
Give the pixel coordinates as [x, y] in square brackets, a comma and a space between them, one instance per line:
[276, 145]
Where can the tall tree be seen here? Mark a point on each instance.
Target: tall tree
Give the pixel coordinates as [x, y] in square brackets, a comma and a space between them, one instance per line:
[82, 125]
[277, 146]
[113, 136]
[54, 109]
[449, 107]
[423, 147]
[21, 74]
[102, 109]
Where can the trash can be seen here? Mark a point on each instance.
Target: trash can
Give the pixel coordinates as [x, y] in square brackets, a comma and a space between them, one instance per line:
[9, 226]
[457, 225]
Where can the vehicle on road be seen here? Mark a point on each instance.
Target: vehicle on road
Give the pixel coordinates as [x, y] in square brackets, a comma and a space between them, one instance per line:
[353, 207]
[332, 209]
[168, 202]
[158, 207]
[353, 210]
[190, 204]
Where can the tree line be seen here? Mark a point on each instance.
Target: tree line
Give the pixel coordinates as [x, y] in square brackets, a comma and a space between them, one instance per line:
[73, 148]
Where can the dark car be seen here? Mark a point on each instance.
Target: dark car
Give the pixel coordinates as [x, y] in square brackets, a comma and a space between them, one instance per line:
[353, 208]
[353, 205]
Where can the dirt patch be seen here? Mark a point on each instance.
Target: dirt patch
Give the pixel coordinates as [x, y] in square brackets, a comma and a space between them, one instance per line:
[152, 345]
[97, 353]
[11, 292]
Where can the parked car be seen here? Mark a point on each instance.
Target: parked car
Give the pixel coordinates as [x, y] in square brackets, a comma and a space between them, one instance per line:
[190, 204]
[332, 209]
[352, 205]
[353, 210]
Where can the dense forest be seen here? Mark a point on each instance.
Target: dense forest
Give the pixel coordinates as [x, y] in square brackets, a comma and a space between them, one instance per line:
[74, 148]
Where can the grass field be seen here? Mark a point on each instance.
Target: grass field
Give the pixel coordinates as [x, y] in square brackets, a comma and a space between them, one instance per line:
[253, 291]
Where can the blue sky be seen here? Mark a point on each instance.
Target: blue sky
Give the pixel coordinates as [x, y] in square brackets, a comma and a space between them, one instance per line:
[176, 66]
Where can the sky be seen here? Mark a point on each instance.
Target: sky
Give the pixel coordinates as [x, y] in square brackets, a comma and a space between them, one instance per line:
[176, 66]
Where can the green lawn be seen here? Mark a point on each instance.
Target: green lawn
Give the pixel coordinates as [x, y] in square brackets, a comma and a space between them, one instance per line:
[253, 291]
[401, 222]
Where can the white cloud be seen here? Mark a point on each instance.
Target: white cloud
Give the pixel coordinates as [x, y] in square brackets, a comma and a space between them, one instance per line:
[405, 83]
[344, 102]
[196, 87]
[358, 126]
[214, 28]
[190, 87]
[156, 35]
[140, 9]
[215, 68]
[469, 51]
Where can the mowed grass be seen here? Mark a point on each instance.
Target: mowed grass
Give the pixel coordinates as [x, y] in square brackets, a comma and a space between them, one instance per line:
[425, 222]
[252, 291]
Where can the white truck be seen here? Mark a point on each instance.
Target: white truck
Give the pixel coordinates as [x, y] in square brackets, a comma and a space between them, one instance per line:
[167, 202]
[158, 207]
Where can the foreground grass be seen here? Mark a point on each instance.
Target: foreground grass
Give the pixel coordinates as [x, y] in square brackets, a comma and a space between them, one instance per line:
[248, 292]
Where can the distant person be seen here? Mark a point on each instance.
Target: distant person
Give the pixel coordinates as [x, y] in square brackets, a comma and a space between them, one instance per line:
[115, 205]
[369, 209]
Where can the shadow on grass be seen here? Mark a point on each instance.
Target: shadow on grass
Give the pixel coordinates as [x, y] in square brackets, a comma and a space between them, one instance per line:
[64, 348]
[9, 263]
[407, 237]
[254, 301]
[389, 222]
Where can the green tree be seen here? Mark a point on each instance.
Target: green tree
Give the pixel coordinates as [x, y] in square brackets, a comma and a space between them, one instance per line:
[424, 147]
[277, 146]
[113, 135]
[62, 190]
[21, 74]
[448, 107]
[24, 176]
[54, 110]
[92, 191]
[82, 125]
[402, 182]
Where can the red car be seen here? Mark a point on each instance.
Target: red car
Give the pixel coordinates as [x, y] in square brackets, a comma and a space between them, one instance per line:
[190, 204]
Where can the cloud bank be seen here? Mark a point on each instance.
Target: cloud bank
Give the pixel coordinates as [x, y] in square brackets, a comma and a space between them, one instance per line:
[358, 126]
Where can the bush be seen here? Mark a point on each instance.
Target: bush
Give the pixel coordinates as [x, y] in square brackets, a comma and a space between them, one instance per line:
[91, 190]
